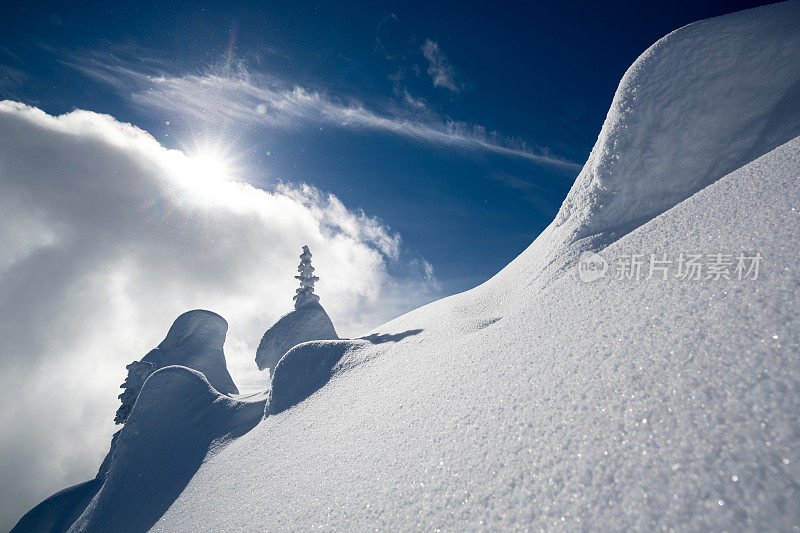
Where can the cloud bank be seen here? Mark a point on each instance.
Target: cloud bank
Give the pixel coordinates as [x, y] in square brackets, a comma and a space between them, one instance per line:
[106, 237]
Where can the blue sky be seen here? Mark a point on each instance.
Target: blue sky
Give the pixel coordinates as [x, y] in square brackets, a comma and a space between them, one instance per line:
[461, 126]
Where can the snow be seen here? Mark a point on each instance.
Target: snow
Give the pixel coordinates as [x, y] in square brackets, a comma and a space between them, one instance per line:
[138, 372]
[309, 322]
[174, 397]
[700, 103]
[615, 404]
[304, 370]
[195, 340]
[60, 510]
[304, 295]
[536, 400]
[178, 420]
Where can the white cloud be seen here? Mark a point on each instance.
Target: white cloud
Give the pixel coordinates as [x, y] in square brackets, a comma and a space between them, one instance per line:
[242, 97]
[106, 236]
[441, 72]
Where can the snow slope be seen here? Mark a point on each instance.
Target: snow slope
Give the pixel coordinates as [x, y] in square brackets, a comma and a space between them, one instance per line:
[537, 400]
[610, 405]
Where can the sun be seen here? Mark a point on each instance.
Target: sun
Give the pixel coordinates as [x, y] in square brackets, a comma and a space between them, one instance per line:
[212, 162]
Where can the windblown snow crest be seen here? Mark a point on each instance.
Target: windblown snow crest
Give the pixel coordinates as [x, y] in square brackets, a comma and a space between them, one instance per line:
[698, 104]
[195, 340]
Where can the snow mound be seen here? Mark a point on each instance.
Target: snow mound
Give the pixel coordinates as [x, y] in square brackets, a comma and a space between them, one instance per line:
[59, 511]
[304, 370]
[195, 340]
[307, 323]
[177, 422]
[698, 104]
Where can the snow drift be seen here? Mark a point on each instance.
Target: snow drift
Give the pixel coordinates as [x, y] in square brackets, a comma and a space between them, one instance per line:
[536, 401]
[192, 353]
[177, 422]
[195, 340]
[303, 371]
[700, 103]
[307, 323]
[59, 511]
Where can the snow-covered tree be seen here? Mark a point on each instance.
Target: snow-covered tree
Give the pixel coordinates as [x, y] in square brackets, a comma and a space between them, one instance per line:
[305, 294]
[308, 321]
[138, 372]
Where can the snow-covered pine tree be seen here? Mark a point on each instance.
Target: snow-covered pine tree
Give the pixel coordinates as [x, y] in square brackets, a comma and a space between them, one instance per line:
[138, 372]
[305, 294]
[307, 322]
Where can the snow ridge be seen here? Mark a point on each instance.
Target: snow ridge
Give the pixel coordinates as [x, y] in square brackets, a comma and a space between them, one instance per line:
[178, 420]
[305, 369]
[698, 104]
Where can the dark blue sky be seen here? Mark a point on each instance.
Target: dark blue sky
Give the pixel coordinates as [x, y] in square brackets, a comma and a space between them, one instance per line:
[427, 81]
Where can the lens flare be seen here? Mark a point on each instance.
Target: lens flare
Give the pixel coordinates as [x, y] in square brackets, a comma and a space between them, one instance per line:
[231, 45]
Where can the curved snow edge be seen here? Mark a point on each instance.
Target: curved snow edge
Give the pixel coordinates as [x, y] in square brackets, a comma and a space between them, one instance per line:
[700, 103]
[178, 421]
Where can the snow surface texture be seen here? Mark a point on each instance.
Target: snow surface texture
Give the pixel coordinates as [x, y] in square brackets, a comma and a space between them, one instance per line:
[195, 340]
[536, 400]
[307, 323]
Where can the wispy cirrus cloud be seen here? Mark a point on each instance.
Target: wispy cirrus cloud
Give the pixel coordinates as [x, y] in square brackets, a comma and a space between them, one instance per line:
[439, 69]
[256, 98]
[11, 78]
